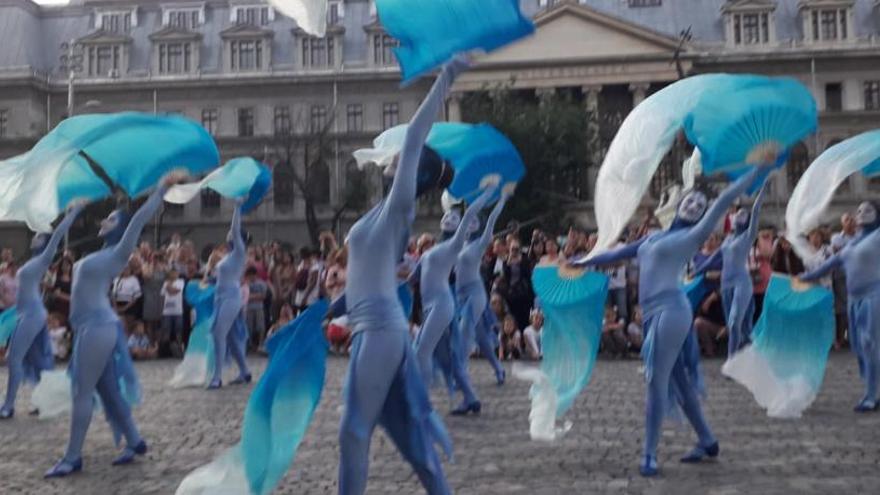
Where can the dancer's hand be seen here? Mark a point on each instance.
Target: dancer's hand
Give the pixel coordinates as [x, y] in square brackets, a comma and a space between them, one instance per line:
[764, 155]
[508, 190]
[458, 64]
[799, 285]
[174, 177]
[77, 205]
[239, 202]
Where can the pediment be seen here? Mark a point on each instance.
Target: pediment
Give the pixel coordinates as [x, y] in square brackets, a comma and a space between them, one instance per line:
[246, 31]
[572, 32]
[171, 33]
[102, 36]
[749, 5]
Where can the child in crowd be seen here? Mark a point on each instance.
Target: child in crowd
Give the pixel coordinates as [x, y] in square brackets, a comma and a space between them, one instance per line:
[139, 344]
[532, 335]
[58, 336]
[613, 339]
[634, 332]
[510, 340]
[172, 312]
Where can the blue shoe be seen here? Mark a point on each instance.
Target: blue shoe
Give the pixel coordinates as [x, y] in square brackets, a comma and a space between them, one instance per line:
[462, 410]
[7, 413]
[246, 378]
[699, 453]
[867, 406]
[215, 384]
[64, 468]
[648, 466]
[129, 453]
[500, 377]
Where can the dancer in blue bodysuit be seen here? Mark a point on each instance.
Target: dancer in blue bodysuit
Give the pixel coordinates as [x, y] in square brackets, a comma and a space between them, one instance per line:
[471, 294]
[384, 385]
[438, 302]
[736, 281]
[227, 329]
[100, 360]
[859, 262]
[30, 351]
[667, 313]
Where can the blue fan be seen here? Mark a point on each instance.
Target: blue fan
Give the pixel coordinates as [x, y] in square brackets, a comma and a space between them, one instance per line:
[8, 322]
[479, 154]
[238, 178]
[735, 125]
[785, 365]
[573, 310]
[432, 31]
[696, 290]
[872, 169]
[89, 156]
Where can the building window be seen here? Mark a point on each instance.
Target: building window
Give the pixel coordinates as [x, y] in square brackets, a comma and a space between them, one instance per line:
[872, 95]
[645, 3]
[104, 60]
[184, 18]
[833, 97]
[246, 55]
[282, 187]
[174, 210]
[210, 201]
[318, 118]
[282, 121]
[829, 24]
[319, 183]
[175, 58]
[115, 22]
[209, 120]
[335, 12]
[383, 53]
[253, 15]
[798, 162]
[4, 122]
[355, 117]
[751, 29]
[318, 52]
[245, 122]
[390, 115]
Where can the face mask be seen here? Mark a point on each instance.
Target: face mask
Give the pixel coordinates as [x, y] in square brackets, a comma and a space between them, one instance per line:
[692, 207]
[741, 219]
[450, 221]
[38, 243]
[866, 215]
[113, 227]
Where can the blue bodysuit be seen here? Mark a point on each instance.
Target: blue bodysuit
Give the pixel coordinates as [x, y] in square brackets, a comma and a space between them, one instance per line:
[736, 282]
[437, 298]
[30, 350]
[859, 260]
[100, 358]
[228, 328]
[663, 258]
[471, 294]
[384, 385]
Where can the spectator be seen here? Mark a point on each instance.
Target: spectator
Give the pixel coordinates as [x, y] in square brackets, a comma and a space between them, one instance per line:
[339, 335]
[613, 333]
[283, 277]
[617, 294]
[532, 336]
[302, 278]
[821, 252]
[254, 310]
[335, 279]
[154, 273]
[536, 248]
[761, 267]
[172, 312]
[139, 344]
[58, 336]
[285, 316]
[510, 340]
[551, 250]
[838, 279]
[516, 285]
[784, 259]
[8, 285]
[126, 294]
[634, 331]
[710, 324]
[60, 301]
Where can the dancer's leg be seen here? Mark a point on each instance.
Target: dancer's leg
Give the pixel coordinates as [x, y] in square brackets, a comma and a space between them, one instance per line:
[116, 406]
[19, 344]
[690, 404]
[236, 340]
[486, 341]
[376, 357]
[225, 314]
[438, 315]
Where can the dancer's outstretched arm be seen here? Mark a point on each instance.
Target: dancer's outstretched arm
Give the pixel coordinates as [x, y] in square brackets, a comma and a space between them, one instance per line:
[402, 196]
[613, 256]
[457, 240]
[700, 232]
[822, 270]
[123, 249]
[44, 259]
[756, 212]
[486, 238]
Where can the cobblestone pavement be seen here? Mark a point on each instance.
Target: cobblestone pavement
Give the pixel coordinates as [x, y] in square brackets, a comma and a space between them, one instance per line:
[830, 450]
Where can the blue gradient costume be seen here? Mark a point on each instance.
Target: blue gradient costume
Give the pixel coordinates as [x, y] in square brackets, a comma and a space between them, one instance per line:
[100, 360]
[30, 350]
[736, 281]
[667, 315]
[471, 294]
[228, 329]
[437, 298]
[198, 361]
[859, 262]
[384, 385]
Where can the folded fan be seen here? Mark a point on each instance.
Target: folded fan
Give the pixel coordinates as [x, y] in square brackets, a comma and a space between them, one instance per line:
[479, 154]
[310, 15]
[734, 127]
[815, 189]
[238, 178]
[785, 364]
[432, 31]
[573, 310]
[131, 150]
[277, 415]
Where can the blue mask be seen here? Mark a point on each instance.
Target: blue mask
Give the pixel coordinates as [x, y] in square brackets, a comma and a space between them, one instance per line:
[114, 235]
[38, 243]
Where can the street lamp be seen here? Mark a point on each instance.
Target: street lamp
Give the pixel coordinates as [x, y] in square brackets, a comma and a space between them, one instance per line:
[71, 62]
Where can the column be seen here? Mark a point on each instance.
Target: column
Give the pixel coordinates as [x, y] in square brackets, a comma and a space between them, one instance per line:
[544, 94]
[595, 153]
[453, 110]
[639, 92]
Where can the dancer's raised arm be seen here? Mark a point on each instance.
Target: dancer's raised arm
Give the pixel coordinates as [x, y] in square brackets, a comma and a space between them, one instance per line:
[45, 257]
[613, 256]
[756, 212]
[489, 229]
[461, 233]
[700, 232]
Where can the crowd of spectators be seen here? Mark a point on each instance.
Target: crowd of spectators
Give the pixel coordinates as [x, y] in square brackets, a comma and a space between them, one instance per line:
[281, 281]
